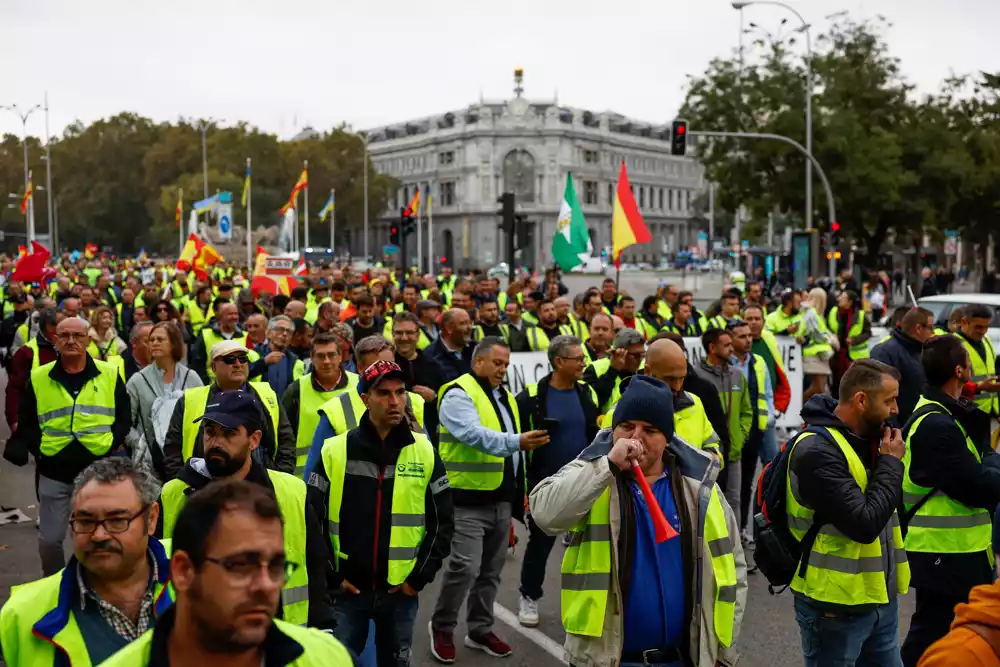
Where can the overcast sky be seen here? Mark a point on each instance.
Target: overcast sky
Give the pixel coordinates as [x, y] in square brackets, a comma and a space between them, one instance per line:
[284, 64]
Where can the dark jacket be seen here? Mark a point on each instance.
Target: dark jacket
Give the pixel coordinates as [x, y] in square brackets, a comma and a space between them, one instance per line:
[451, 367]
[940, 459]
[710, 400]
[376, 328]
[423, 370]
[320, 613]
[74, 457]
[826, 485]
[8, 328]
[283, 460]
[903, 353]
[532, 410]
[366, 512]
[279, 375]
[20, 371]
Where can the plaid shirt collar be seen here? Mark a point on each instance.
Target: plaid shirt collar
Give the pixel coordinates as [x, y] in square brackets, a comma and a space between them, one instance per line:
[121, 623]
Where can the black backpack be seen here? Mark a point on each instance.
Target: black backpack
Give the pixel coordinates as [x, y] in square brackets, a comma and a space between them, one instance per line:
[777, 553]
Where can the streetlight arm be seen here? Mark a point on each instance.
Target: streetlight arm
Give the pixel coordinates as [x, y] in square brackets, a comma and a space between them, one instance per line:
[831, 207]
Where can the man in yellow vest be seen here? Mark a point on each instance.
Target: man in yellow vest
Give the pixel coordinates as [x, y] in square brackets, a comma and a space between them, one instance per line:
[226, 327]
[232, 425]
[845, 478]
[229, 568]
[230, 361]
[73, 411]
[304, 397]
[200, 312]
[113, 589]
[949, 490]
[786, 320]
[625, 597]
[559, 399]
[480, 436]
[389, 518]
[982, 357]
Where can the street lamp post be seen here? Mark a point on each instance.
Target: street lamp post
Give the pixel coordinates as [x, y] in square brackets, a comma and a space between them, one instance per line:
[809, 93]
[364, 142]
[28, 220]
[203, 125]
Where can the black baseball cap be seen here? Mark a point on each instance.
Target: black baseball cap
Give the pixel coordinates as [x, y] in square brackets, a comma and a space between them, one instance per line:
[379, 371]
[232, 409]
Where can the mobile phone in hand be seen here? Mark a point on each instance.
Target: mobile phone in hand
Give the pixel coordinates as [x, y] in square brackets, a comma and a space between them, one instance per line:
[550, 424]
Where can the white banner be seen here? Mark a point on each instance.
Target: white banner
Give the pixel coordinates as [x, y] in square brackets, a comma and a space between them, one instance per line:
[530, 367]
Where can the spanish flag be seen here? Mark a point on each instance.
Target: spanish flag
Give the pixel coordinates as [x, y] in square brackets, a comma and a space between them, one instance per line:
[299, 186]
[27, 195]
[413, 208]
[179, 213]
[627, 227]
[90, 250]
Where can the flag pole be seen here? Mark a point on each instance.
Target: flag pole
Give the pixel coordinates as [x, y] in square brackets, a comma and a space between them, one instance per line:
[249, 219]
[430, 230]
[333, 223]
[420, 244]
[180, 223]
[305, 166]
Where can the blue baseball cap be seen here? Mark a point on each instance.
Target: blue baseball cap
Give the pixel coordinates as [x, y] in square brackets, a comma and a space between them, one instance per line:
[232, 409]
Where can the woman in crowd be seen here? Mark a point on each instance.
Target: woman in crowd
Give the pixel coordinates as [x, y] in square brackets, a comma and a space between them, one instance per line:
[815, 340]
[165, 311]
[153, 392]
[104, 340]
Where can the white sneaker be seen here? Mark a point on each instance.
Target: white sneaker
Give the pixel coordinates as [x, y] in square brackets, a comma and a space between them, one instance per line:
[527, 612]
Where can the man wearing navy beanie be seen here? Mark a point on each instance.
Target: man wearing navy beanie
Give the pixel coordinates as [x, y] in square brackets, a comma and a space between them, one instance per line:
[659, 585]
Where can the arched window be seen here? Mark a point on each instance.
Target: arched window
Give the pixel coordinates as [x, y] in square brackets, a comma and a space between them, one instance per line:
[519, 175]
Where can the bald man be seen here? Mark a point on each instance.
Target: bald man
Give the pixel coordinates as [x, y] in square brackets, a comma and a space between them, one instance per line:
[666, 361]
[453, 348]
[295, 309]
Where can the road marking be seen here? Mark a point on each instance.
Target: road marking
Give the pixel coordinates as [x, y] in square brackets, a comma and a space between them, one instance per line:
[539, 638]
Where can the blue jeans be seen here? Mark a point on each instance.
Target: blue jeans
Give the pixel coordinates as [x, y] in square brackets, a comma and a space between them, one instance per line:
[768, 445]
[393, 615]
[831, 639]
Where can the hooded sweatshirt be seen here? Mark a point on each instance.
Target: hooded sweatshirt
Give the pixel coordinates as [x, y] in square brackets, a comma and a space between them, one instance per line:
[734, 392]
[967, 644]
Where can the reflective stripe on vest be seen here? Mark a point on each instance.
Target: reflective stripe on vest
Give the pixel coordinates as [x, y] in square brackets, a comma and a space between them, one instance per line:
[344, 410]
[586, 570]
[195, 401]
[469, 468]
[410, 474]
[310, 403]
[842, 571]
[983, 369]
[538, 341]
[943, 525]
[33, 344]
[87, 417]
[692, 426]
[290, 493]
[760, 368]
[859, 350]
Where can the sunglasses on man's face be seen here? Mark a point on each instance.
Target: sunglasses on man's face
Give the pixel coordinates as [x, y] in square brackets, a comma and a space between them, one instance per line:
[235, 359]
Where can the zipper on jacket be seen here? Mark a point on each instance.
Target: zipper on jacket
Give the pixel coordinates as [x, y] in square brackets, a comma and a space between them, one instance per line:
[378, 520]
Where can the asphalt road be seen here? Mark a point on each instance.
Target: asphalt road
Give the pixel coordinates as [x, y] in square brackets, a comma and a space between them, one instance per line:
[769, 635]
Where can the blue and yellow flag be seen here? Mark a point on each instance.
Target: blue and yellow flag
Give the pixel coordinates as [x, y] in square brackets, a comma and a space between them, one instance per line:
[329, 206]
[246, 186]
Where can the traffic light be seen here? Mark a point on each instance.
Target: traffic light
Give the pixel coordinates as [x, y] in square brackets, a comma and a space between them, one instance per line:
[520, 230]
[506, 212]
[679, 138]
[835, 233]
[394, 235]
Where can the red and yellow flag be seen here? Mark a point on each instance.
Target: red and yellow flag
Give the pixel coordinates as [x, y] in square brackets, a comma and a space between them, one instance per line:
[180, 209]
[627, 226]
[413, 208]
[90, 250]
[27, 195]
[300, 185]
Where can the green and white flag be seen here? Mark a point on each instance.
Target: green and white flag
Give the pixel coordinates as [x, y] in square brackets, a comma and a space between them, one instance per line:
[571, 243]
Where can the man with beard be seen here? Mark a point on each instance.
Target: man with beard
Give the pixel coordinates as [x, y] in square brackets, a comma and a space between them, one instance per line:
[546, 329]
[224, 537]
[231, 363]
[609, 296]
[365, 323]
[846, 480]
[515, 327]
[110, 593]
[489, 323]
[232, 430]
[423, 375]
[382, 558]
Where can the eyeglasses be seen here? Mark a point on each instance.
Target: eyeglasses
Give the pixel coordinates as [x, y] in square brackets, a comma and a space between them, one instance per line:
[407, 333]
[116, 524]
[233, 359]
[286, 331]
[243, 567]
[72, 336]
[326, 356]
[579, 359]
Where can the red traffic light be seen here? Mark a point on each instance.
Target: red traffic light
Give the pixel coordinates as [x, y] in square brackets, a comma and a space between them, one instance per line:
[681, 129]
[835, 226]
[444, 259]
[394, 230]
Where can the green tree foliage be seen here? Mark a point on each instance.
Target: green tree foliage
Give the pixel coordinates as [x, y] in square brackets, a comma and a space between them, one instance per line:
[116, 180]
[895, 163]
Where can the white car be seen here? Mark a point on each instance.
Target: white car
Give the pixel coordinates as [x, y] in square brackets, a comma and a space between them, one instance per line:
[942, 305]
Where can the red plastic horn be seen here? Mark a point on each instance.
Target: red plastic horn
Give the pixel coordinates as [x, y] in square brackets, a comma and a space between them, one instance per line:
[664, 531]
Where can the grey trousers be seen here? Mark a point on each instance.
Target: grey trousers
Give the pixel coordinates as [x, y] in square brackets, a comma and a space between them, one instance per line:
[478, 550]
[733, 483]
[55, 504]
